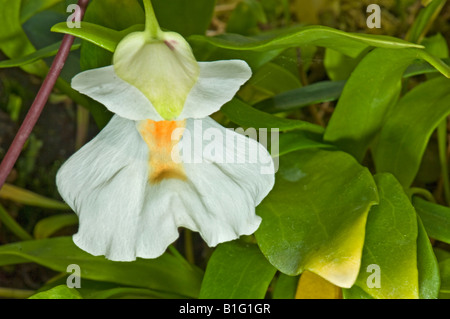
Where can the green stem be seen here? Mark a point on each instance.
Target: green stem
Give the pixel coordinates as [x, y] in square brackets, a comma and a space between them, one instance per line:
[188, 246]
[82, 127]
[151, 23]
[13, 226]
[442, 144]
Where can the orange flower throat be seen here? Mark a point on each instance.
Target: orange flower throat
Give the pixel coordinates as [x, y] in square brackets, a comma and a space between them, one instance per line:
[162, 143]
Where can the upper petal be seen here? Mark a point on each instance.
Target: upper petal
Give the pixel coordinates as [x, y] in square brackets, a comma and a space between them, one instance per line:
[217, 84]
[118, 96]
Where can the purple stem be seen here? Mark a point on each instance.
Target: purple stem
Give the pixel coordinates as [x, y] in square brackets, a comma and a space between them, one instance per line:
[39, 102]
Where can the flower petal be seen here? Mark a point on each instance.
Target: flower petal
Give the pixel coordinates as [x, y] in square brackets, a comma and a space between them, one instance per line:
[217, 84]
[220, 196]
[118, 96]
[104, 183]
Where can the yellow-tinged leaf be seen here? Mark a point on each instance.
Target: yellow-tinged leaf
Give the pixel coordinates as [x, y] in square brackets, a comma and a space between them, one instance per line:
[312, 286]
[340, 262]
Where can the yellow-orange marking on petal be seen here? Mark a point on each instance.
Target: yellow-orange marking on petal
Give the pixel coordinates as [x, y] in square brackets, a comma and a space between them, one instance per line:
[158, 136]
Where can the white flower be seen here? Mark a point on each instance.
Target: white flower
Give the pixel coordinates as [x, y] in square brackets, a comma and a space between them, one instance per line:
[130, 193]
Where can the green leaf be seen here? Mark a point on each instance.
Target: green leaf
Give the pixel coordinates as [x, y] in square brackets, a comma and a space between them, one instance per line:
[339, 66]
[247, 116]
[26, 197]
[185, 17]
[285, 287]
[58, 292]
[13, 40]
[355, 293]
[267, 81]
[237, 271]
[436, 45]
[435, 218]
[424, 21]
[43, 53]
[31, 7]
[314, 219]
[406, 132]
[428, 267]
[205, 51]
[391, 244]
[350, 44]
[105, 38]
[319, 92]
[48, 226]
[371, 90]
[298, 140]
[421, 67]
[91, 289]
[167, 273]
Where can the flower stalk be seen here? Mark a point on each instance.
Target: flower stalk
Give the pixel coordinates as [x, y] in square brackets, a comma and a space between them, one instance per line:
[38, 105]
[151, 23]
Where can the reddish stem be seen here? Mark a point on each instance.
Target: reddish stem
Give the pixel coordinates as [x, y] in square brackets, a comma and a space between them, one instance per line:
[39, 102]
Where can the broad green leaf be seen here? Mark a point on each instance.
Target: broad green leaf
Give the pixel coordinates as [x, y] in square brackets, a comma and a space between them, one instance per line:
[314, 219]
[318, 92]
[268, 81]
[312, 286]
[247, 116]
[58, 292]
[185, 17]
[237, 271]
[427, 265]
[435, 218]
[369, 93]
[167, 273]
[26, 197]
[35, 56]
[13, 40]
[298, 140]
[350, 44]
[31, 7]
[390, 244]
[339, 66]
[46, 227]
[424, 21]
[407, 130]
[285, 287]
